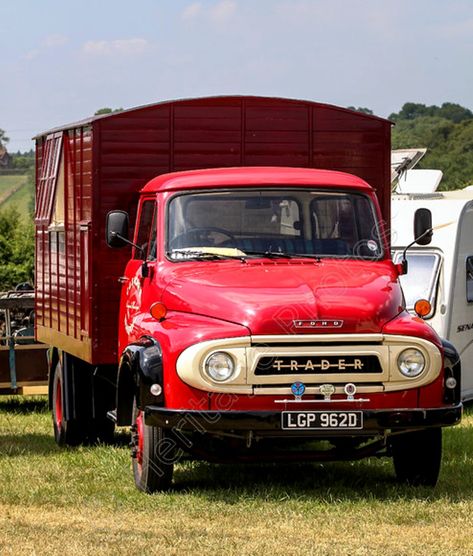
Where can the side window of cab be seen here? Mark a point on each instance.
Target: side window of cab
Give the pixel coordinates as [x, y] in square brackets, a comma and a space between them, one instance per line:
[146, 231]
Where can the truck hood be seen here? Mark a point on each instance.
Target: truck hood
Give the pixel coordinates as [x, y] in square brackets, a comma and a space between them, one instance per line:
[288, 297]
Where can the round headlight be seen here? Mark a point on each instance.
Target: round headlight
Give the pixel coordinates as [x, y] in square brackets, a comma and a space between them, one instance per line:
[220, 366]
[411, 362]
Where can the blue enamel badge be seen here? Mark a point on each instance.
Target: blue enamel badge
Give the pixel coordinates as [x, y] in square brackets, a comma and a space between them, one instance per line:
[298, 389]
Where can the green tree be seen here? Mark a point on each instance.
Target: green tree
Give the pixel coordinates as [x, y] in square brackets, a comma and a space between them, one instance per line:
[454, 112]
[102, 111]
[449, 146]
[449, 110]
[16, 250]
[23, 161]
[3, 138]
[361, 109]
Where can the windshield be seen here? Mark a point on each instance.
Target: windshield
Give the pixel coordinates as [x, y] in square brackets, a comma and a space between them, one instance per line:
[421, 279]
[292, 222]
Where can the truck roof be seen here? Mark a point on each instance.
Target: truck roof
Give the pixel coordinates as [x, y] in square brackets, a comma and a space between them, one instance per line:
[220, 98]
[257, 175]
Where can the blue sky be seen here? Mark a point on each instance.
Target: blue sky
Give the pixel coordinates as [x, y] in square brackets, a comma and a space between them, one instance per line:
[61, 60]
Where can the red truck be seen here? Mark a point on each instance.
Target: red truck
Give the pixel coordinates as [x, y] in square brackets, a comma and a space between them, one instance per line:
[254, 312]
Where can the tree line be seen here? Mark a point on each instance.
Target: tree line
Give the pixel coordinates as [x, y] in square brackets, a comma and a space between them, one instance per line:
[447, 133]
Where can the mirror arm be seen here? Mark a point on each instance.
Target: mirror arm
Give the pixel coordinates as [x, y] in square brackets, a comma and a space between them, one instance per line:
[404, 258]
[126, 240]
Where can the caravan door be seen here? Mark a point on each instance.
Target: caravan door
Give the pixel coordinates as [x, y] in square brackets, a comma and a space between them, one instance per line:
[460, 326]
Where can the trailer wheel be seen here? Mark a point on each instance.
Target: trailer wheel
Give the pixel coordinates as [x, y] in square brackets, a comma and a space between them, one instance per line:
[153, 453]
[417, 456]
[67, 432]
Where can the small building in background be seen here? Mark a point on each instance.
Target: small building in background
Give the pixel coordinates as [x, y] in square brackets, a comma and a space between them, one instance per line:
[5, 158]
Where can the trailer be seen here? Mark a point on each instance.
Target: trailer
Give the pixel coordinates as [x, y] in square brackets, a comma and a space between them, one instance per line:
[23, 361]
[441, 272]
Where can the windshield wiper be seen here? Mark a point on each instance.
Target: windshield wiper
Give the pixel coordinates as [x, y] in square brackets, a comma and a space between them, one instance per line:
[280, 255]
[188, 255]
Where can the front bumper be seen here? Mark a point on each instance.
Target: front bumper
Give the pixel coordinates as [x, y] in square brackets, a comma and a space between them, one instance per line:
[375, 422]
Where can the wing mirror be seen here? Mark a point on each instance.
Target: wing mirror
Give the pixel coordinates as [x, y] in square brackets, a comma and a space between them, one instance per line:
[422, 234]
[116, 228]
[423, 226]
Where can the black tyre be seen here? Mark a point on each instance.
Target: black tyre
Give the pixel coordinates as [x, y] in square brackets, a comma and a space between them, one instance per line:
[417, 456]
[154, 453]
[67, 432]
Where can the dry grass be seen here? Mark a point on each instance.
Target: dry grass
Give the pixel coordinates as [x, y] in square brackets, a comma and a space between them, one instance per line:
[83, 501]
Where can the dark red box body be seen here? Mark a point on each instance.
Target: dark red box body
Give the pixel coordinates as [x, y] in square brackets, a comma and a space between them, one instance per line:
[88, 168]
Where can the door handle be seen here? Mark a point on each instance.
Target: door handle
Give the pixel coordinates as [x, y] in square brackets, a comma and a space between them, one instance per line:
[123, 279]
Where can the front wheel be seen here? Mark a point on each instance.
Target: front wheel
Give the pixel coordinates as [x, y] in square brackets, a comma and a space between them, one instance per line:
[154, 453]
[417, 456]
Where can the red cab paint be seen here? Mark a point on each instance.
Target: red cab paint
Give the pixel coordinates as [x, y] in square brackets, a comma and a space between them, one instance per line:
[259, 226]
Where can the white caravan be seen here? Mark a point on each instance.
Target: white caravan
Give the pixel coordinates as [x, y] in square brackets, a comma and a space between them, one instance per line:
[441, 272]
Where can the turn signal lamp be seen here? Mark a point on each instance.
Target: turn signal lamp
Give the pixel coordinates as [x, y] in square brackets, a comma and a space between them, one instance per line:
[158, 311]
[422, 308]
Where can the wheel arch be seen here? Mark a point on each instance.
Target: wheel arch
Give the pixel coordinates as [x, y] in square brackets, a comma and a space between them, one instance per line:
[452, 369]
[141, 365]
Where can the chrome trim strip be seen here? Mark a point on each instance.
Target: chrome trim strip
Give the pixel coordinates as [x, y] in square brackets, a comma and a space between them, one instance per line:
[319, 338]
[356, 400]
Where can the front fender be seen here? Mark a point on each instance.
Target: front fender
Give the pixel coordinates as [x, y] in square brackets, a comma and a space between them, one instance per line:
[452, 366]
[141, 365]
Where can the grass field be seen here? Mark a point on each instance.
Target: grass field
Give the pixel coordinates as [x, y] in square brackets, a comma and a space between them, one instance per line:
[83, 501]
[21, 198]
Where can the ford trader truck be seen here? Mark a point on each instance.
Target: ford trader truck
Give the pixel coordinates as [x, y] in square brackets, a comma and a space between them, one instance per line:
[216, 274]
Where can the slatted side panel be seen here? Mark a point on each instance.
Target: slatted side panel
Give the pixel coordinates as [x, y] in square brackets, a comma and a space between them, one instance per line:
[40, 251]
[205, 134]
[131, 148]
[63, 252]
[82, 148]
[355, 144]
[277, 133]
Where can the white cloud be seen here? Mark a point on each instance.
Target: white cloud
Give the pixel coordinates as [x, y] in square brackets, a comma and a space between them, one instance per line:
[53, 41]
[223, 11]
[192, 11]
[218, 13]
[119, 46]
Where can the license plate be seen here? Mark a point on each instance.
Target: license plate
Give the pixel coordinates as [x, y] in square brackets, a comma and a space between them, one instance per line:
[322, 420]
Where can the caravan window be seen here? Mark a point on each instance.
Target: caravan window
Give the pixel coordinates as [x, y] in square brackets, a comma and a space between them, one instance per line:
[421, 279]
[469, 279]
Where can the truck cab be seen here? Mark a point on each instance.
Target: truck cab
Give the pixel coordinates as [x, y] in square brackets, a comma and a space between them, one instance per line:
[261, 319]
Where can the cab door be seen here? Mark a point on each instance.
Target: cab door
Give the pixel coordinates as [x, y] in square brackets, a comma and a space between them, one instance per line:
[138, 274]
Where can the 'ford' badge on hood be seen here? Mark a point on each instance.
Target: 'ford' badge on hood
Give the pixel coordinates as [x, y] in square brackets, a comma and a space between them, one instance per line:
[318, 323]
